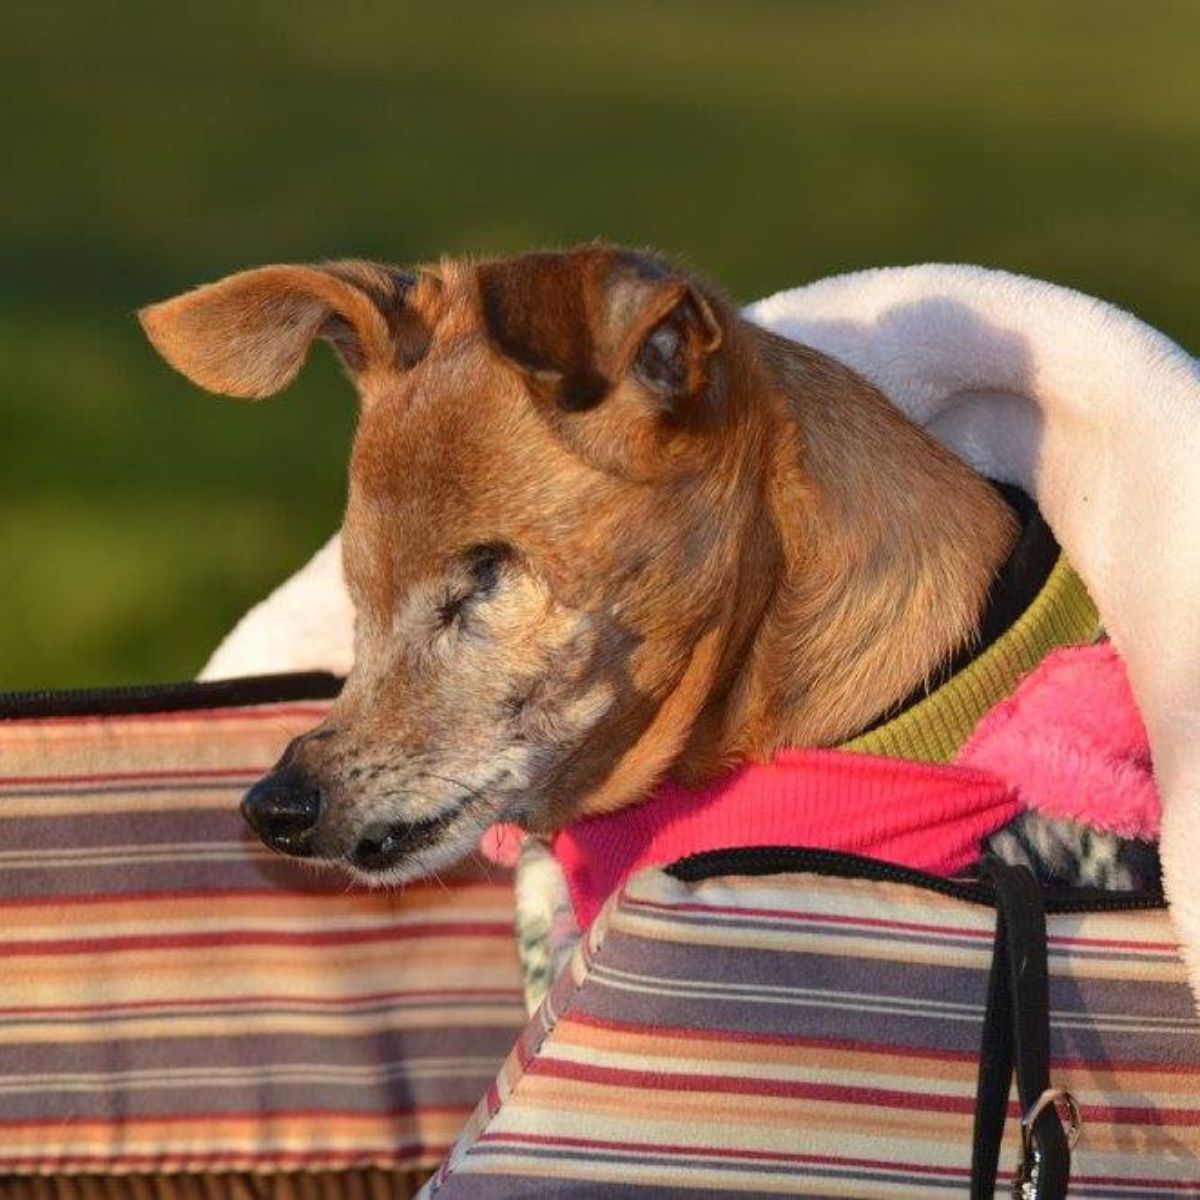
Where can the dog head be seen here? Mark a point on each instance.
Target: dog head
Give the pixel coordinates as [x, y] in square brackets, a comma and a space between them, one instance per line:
[553, 490]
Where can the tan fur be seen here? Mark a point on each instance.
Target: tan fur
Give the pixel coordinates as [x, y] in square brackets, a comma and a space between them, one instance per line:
[723, 542]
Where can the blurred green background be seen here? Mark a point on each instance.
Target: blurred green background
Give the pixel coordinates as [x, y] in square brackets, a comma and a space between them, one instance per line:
[148, 147]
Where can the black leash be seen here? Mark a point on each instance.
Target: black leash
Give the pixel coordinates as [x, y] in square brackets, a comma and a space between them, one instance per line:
[1016, 1035]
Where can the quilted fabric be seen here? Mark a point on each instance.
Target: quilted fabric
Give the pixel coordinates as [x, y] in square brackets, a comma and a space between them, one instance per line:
[815, 1035]
[174, 999]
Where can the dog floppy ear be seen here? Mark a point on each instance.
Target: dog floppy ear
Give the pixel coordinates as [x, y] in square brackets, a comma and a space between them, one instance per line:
[248, 335]
[580, 322]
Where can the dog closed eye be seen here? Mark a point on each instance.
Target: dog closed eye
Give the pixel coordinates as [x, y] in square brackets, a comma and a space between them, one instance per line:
[483, 565]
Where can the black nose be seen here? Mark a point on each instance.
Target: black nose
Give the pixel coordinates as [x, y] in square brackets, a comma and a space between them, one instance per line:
[283, 808]
[384, 845]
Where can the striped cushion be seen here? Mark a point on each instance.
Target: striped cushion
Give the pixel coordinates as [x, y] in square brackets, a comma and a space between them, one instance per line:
[818, 1035]
[175, 999]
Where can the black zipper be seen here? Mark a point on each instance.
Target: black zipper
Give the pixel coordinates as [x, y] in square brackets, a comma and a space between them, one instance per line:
[171, 697]
[778, 860]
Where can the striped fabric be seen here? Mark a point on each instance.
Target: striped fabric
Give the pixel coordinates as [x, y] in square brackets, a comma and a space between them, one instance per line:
[174, 999]
[816, 1036]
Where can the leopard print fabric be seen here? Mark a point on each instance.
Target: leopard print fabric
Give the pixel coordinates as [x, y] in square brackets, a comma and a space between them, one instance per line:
[1065, 854]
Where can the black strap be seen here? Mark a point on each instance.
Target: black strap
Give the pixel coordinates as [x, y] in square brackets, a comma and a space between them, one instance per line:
[1016, 1031]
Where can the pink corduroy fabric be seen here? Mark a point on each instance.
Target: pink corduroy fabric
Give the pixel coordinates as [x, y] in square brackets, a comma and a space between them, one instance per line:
[917, 814]
[1069, 743]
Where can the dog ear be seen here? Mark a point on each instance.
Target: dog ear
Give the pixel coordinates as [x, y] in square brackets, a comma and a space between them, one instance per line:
[248, 335]
[579, 323]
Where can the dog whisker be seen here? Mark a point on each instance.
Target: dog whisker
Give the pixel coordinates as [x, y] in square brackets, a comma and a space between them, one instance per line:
[494, 804]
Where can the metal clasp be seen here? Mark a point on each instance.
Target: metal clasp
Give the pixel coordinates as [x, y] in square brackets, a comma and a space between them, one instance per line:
[1025, 1182]
[1055, 1097]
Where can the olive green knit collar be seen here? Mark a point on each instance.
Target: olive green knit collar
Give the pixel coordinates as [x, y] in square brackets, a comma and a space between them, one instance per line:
[935, 727]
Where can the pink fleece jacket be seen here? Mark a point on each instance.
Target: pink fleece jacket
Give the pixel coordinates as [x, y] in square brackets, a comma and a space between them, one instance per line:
[1069, 743]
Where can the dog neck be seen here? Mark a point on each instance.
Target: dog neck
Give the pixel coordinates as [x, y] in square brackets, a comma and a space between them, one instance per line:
[869, 567]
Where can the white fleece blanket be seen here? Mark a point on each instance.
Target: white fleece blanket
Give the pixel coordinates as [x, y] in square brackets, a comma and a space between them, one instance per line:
[1087, 408]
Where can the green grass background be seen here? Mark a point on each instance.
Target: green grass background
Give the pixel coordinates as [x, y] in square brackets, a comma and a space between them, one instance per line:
[148, 147]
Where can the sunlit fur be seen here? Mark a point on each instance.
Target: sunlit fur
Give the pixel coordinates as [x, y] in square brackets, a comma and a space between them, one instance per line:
[758, 552]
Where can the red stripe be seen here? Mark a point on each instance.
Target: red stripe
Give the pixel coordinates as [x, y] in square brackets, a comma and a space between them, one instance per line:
[882, 923]
[816, 918]
[1162, 1185]
[529, 1043]
[1164, 948]
[182, 773]
[686, 1034]
[538, 1139]
[406, 1157]
[265, 999]
[742, 1086]
[247, 938]
[384, 1157]
[825, 1160]
[208, 894]
[271, 713]
[129, 1120]
[1127, 1114]
[830, 1093]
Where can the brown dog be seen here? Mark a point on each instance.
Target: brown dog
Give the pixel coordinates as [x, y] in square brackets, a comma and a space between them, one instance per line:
[599, 530]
